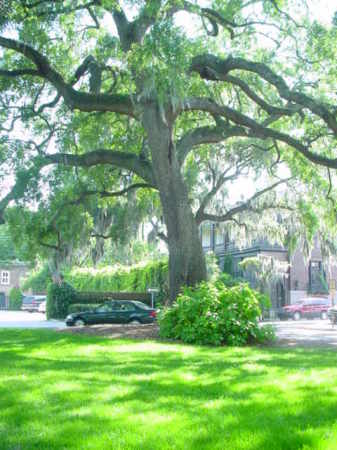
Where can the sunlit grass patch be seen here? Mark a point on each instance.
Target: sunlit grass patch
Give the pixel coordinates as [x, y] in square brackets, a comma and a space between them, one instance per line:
[80, 392]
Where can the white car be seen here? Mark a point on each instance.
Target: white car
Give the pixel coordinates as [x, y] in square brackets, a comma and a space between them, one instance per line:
[42, 306]
[31, 303]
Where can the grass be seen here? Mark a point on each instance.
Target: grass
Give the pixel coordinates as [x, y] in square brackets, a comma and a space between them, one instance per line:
[74, 392]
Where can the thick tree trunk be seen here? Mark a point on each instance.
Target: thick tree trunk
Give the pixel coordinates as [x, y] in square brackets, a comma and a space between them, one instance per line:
[187, 264]
[55, 270]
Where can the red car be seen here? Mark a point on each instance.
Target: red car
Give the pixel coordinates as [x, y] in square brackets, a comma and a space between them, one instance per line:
[308, 308]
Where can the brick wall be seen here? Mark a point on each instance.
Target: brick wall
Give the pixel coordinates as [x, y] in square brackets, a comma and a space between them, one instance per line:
[16, 272]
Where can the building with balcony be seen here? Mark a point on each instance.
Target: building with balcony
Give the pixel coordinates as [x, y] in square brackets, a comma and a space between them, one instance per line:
[299, 277]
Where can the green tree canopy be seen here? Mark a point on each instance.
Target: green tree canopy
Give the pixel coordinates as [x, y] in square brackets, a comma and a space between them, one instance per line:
[7, 249]
[111, 96]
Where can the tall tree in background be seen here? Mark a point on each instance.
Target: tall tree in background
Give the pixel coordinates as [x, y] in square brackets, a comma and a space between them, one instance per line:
[7, 249]
[90, 85]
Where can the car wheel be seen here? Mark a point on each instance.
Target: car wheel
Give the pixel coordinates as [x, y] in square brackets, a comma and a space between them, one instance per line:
[79, 323]
[324, 315]
[134, 322]
[297, 315]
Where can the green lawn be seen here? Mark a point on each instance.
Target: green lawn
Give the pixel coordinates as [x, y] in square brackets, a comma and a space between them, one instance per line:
[72, 392]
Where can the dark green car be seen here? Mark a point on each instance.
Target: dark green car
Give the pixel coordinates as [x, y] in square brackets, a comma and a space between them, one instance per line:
[115, 311]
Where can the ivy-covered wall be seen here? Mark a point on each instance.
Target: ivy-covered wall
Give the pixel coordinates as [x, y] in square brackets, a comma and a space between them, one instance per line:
[137, 278]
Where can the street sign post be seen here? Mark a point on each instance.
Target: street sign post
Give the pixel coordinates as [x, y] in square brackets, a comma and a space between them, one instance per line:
[153, 292]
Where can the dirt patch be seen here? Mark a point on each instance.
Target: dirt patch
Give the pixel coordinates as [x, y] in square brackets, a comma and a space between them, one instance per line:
[148, 331]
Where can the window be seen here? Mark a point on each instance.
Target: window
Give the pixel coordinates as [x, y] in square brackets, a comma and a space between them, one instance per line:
[117, 306]
[219, 236]
[127, 307]
[206, 234]
[317, 278]
[4, 277]
[142, 305]
[104, 308]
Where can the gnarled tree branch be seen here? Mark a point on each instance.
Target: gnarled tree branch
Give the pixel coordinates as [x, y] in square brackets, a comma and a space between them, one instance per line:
[127, 161]
[251, 128]
[107, 194]
[245, 206]
[123, 160]
[83, 101]
[213, 68]
[205, 135]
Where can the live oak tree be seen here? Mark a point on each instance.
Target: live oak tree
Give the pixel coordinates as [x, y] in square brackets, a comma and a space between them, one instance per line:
[95, 85]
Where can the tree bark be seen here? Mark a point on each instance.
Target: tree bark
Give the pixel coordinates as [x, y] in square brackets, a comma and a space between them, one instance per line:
[187, 264]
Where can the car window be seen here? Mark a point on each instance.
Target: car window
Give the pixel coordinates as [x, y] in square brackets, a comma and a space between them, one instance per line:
[115, 306]
[310, 302]
[127, 306]
[122, 306]
[325, 301]
[104, 308]
[141, 305]
[317, 301]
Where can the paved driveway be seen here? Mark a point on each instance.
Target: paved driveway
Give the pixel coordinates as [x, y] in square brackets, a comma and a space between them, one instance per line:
[306, 332]
[18, 319]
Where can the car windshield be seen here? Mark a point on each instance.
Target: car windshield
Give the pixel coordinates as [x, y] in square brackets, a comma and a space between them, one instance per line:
[142, 305]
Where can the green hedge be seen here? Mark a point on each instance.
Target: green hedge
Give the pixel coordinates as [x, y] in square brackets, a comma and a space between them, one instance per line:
[15, 299]
[59, 297]
[78, 307]
[137, 278]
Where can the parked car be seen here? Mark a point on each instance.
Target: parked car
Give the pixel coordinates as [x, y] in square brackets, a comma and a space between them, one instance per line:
[31, 303]
[43, 307]
[115, 311]
[309, 308]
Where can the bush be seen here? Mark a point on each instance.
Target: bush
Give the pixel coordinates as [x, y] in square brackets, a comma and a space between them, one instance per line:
[59, 297]
[214, 314]
[229, 281]
[265, 334]
[78, 307]
[15, 299]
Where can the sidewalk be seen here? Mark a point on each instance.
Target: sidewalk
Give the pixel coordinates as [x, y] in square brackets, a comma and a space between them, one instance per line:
[21, 319]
